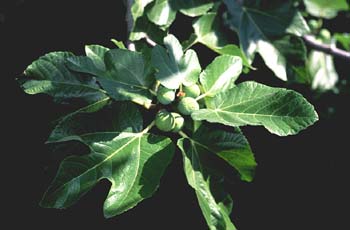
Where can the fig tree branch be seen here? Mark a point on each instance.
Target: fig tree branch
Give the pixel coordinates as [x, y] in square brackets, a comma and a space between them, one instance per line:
[329, 49]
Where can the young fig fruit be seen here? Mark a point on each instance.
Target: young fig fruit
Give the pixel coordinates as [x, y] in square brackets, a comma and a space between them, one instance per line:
[164, 120]
[179, 122]
[325, 35]
[192, 91]
[187, 105]
[313, 24]
[165, 96]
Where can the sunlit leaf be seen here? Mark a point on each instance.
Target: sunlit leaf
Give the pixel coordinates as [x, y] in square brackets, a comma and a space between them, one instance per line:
[324, 8]
[162, 13]
[208, 32]
[174, 67]
[322, 70]
[220, 75]
[343, 39]
[282, 112]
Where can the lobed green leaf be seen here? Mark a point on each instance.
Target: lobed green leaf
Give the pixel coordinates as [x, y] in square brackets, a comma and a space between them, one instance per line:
[123, 76]
[132, 162]
[50, 75]
[87, 120]
[174, 67]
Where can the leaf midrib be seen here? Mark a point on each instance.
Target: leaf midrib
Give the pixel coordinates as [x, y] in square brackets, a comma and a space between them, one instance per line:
[118, 81]
[138, 135]
[135, 175]
[132, 73]
[244, 9]
[72, 84]
[195, 152]
[246, 101]
[168, 67]
[80, 110]
[264, 13]
[261, 115]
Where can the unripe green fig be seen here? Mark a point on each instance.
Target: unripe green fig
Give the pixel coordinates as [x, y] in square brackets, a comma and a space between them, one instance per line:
[179, 122]
[192, 91]
[325, 34]
[187, 105]
[164, 121]
[313, 24]
[165, 96]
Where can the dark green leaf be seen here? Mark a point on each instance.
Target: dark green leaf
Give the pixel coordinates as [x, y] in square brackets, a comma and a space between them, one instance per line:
[294, 50]
[121, 117]
[50, 75]
[97, 53]
[120, 151]
[124, 76]
[282, 112]
[215, 212]
[257, 29]
[132, 162]
[231, 146]
[194, 8]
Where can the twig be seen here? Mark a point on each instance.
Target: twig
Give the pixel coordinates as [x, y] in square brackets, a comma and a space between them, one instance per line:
[184, 135]
[130, 24]
[150, 41]
[329, 49]
[148, 128]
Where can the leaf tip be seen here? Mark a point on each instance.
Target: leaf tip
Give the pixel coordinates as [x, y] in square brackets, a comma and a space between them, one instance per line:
[107, 215]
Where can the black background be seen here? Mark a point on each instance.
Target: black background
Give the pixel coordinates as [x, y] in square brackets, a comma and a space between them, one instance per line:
[301, 181]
